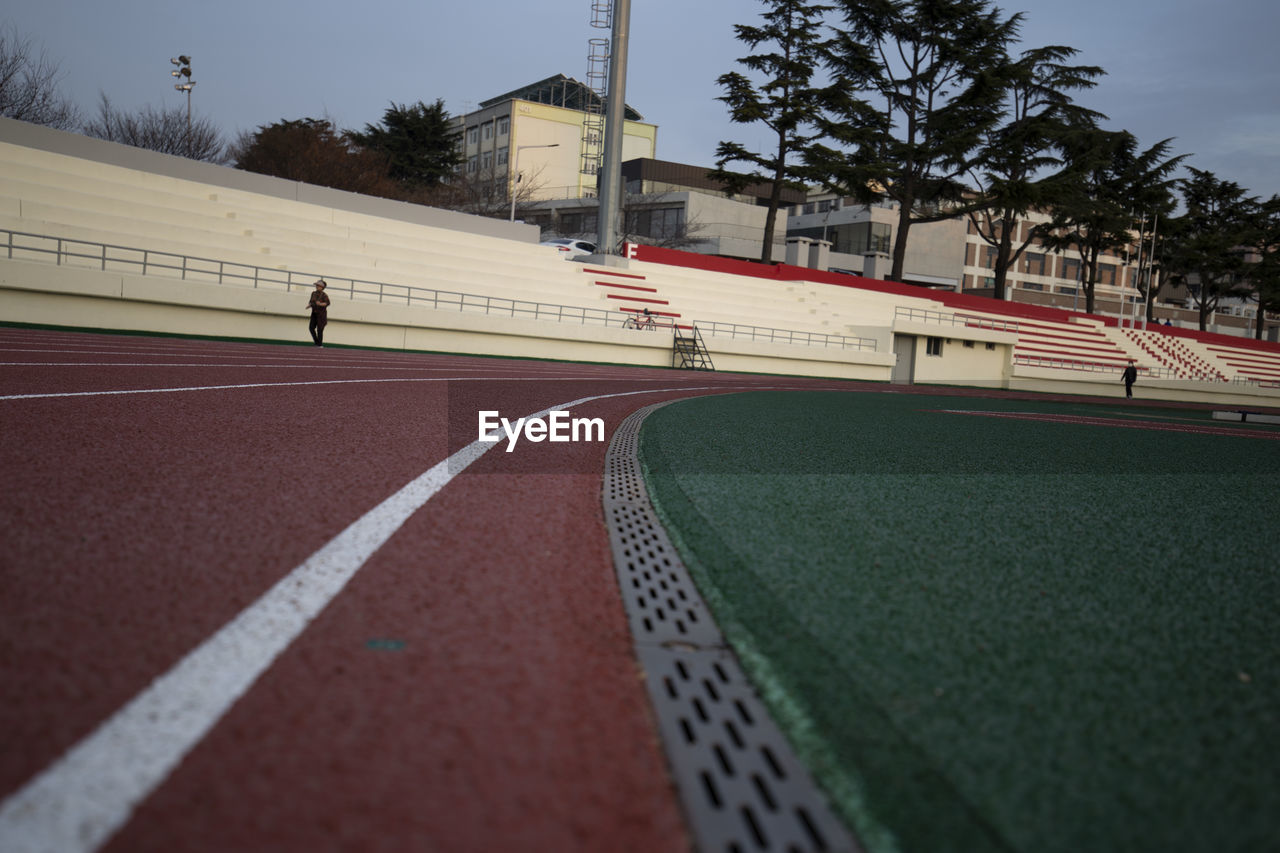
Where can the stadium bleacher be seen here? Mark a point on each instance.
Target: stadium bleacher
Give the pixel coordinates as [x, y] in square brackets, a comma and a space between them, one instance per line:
[203, 224]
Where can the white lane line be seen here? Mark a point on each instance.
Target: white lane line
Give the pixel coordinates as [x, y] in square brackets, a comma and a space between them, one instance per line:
[83, 798]
[321, 366]
[308, 361]
[447, 363]
[327, 382]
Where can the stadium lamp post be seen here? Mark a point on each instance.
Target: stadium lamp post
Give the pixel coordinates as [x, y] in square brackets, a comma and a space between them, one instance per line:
[184, 70]
[515, 168]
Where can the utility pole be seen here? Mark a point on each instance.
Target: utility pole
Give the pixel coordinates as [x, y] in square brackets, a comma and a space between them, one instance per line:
[610, 178]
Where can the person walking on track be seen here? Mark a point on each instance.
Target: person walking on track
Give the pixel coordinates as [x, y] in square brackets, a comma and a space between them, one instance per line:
[1129, 376]
[319, 305]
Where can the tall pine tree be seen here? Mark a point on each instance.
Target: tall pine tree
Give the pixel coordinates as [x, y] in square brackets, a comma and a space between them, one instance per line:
[418, 142]
[929, 69]
[1264, 270]
[1207, 246]
[1021, 167]
[1110, 186]
[786, 100]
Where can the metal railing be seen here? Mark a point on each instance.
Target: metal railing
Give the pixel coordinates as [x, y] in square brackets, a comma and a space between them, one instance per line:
[948, 318]
[22, 245]
[108, 257]
[1256, 381]
[1151, 372]
[1091, 366]
[786, 336]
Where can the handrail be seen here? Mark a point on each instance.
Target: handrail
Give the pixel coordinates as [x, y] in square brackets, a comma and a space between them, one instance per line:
[970, 321]
[191, 267]
[1255, 380]
[1091, 366]
[786, 336]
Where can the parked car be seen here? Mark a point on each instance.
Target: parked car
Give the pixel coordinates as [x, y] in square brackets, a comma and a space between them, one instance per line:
[571, 248]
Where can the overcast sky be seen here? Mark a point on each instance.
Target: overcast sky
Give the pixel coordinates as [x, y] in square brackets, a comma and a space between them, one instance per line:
[1204, 72]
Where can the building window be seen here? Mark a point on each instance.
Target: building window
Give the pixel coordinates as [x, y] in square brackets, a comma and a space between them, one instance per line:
[879, 236]
[488, 130]
[486, 160]
[990, 345]
[578, 222]
[1107, 274]
[502, 156]
[1071, 268]
[471, 164]
[657, 223]
[856, 238]
[1032, 285]
[933, 346]
[1035, 263]
[989, 257]
[473, 134]
[504, 126]
[968, 344]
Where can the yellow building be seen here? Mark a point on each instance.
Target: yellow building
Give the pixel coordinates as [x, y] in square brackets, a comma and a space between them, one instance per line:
[552, 132]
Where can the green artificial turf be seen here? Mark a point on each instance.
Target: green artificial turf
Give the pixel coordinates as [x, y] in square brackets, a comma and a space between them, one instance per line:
[991, 634]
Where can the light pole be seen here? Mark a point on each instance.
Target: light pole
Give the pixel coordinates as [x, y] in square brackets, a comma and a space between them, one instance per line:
[184, 70]
[515, 169]
[609, 183]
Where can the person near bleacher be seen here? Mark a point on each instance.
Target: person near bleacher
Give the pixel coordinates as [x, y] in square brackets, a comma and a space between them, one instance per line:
[1129, 376]
[319, 305]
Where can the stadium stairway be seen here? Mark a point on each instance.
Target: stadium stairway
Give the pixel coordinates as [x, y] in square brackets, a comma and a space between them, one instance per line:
[764, 303]
[1175, 354]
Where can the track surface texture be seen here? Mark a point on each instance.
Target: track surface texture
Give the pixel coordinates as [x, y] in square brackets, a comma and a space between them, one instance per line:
[470, 686]
[267, 597]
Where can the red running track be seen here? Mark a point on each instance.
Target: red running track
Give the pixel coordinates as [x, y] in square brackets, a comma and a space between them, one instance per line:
[471, 686]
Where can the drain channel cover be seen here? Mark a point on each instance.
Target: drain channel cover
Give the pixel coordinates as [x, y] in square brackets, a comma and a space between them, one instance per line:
[741, 785]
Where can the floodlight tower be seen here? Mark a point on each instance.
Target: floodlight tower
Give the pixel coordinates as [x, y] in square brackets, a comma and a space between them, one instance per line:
[184, 71]
[609, 180]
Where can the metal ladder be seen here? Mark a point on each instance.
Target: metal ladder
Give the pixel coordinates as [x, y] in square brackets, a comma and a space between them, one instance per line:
[598, 83]
[688, 352]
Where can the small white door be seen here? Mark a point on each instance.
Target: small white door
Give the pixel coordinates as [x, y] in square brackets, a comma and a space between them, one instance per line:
[904, 369]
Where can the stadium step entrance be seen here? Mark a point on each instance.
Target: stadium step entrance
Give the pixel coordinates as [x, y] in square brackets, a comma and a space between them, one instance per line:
[688, 351]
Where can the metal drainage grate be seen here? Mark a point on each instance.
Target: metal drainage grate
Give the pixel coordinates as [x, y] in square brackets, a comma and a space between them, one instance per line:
[742, 787]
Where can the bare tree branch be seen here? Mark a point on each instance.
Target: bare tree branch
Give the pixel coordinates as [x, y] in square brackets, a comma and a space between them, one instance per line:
[163, 130]
[29, 85]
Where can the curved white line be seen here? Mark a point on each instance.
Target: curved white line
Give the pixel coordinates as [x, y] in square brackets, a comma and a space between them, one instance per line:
[83, 798]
